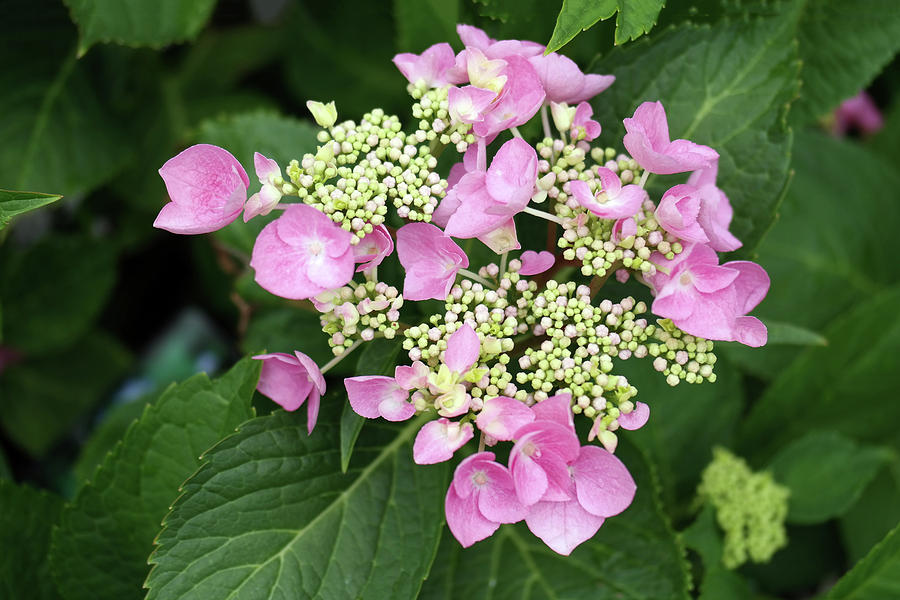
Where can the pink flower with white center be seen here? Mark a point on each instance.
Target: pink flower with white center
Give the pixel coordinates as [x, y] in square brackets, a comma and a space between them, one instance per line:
[434, 68]
[373, 249]
[715, 210]
[431, 260]
[302, 254]
[413, 377]
[268, 197]
[539, 461]
[291, 380]
[373, 396]
[461, 355]
[613, 200]
[207, 187]
[678, 211]
[468, 104]
[519, 99]
[534, 263]
[502, 417]
[563, 81]
[635, 419]
[647, 140]
[600, 487]
[583, 127]
[488, 199]
[858, 112]
[438, 440]
[480, 498]
[708, 300]
[473, 37]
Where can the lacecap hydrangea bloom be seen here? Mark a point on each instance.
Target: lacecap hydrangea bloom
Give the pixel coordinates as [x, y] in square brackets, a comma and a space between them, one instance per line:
[524, 348]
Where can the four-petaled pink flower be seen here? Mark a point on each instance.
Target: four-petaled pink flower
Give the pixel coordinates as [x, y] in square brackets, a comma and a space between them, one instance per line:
[613, 200]
[434, 68]
[302, 254]
[207, 187]
[430, 259]
[291, 380]
[648, 143]
[678, 211]
[373, 249]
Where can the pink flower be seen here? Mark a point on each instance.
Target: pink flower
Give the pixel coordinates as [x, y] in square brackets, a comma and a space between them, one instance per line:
[648, 143]
[207, 187]
[583, 127]
[435, 67]
[534, 263]
[518, 100]
[563, 81]
[715, 210]
[468, 104]
[413, 377]
[438, 440]
[290, 380]
[480, 498]
[487, 199]
[373, 396]
[612, 201]
[502, 417]
[474, 37]
[267, 198]
[538, 461]
[636, 419]
[859, 112]
[431, 260]
[678, 211]
[373, 249]
[463, 350]
[302, 254]
[708, 300]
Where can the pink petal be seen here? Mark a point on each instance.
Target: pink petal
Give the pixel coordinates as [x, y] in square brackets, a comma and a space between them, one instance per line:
[431, 260]
[751, 285]
[266, 168]
[468, 104]
[465, 520]
[529, 478]
[373, 248]
[502, 239]
[312, 411]
[557, 409]
[502, 417]
[636, 418]
[512, 175]
[562, 525]
[463, 349]
[497, 499]
[609, 182]
[603, 484]
[650, 119]
[396, 408]
[438, 440]
[750, 331]
[592, 85]
[284, 380]
[366, 393]
[534, 263]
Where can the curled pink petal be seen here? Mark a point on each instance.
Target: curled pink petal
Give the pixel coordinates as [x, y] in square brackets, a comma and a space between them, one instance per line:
[534, 263]
[435, 67]
[292, 380]
[438, 440]
[636, 419]
[367, 393]
[373, 248]
[647, 140]
[431, 260]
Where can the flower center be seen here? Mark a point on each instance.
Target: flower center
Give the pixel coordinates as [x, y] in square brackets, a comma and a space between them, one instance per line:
[685, 279]
[479, 478]
[315, 248]
[531, 450]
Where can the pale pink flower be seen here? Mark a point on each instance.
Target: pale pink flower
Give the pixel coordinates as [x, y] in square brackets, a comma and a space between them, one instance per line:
[534, 263]
[373, 396]
[373, 249]
[715, 210]
[624, 229]
[519, 99]
[435, 67]
[468, 104]
[480, 498]
[647, 140]
[538, 461]
[563, 81]
[291, 380]
[302, 254]
[207, 187]
[502, 417]
[473, 37]
[678, 211]
[431, 260]
[583, 127]
[612, 200]
[438, 440]
[268, 197]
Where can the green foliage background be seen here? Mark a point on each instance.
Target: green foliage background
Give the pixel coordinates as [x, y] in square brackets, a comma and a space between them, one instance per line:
[106, 465]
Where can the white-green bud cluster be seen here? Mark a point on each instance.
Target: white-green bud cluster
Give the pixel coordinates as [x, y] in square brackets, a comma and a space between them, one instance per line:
[371, 309]
[680, 356]
[435, 124]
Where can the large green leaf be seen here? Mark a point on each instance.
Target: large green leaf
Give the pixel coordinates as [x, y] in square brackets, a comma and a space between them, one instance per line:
[270, 515]
[705, 537]
[727, 86]
[876, 513]
[25, 523]
[15, 203]
[101, 546]
[876, 576]
[826, 473]
[138, 22]
[634, 18]
[634, 555]
[813, 392]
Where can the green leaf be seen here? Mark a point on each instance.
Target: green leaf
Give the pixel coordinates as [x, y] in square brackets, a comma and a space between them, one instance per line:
[103, 440]
[793, 335]
[44, 396]
[289, 329]
[421, 23]
[873, 516]
[16, 203]
[843, 47]
[271, 515]
[813, 391]
[25, 523]
[876, 576]
[635, 18]
[704, 537]
[729, 87]
[79, 269]
[153, 23]
[826, 473]
[101, 546]
[634, 555]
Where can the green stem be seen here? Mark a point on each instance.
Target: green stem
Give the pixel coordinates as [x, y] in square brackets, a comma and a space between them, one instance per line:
[476, 277]
[331, 363]
[542, 214]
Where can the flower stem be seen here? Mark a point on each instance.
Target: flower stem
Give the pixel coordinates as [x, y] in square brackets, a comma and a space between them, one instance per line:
[515, 132]
[331, 363]
[644, 176]
[542, 214]
[503, 263]
[545, 121]
[475, 277]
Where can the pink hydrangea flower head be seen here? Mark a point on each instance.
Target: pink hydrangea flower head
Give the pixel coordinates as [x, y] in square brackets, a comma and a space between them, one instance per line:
[268, 197]
[488, 199]
[502, 417]
[373, 396]
[290, 380]
[583, 127]
[534, 263]
[518, 101]
[563, 81]
[468, 104]
[207, 190]
[431, 260]
[860, 112]
[538, 461]
[678, 211]
[647, 140]
[438, 440]
[480, 498]
[715, 210]
[434, 68]
[373, 249]
[302, 254]
[636, 419]
[613, 200]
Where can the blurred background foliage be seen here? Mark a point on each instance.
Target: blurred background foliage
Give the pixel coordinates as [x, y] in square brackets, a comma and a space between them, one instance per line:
[99, 311]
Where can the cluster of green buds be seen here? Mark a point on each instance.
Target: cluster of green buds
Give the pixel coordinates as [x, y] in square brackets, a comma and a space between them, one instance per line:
[435, 125]
[680, 356]
[364, 312]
